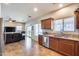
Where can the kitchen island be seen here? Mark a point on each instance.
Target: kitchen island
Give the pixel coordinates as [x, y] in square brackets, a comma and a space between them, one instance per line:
[10, 37]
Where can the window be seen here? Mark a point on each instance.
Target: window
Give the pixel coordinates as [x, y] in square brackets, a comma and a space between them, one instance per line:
[69, 24]
[18, 28]
[58, 25]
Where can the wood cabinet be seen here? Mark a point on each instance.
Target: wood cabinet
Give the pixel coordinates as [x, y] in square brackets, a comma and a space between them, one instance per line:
[77, 19]
[40, 39]
[63, 46]
[47, 23]
[9, 38]
[66, 47]
[53, 43]
[43, 24]
[17, 37]
[77, 48]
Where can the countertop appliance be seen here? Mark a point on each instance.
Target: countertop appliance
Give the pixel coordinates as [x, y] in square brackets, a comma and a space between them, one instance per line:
[46, 41]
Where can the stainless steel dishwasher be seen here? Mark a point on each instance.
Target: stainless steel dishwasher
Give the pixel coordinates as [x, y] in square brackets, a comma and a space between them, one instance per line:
[46, 41]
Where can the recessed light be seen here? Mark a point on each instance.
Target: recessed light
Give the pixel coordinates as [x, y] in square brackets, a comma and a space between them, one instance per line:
[60, 5]
[35, 9]
[10, 21]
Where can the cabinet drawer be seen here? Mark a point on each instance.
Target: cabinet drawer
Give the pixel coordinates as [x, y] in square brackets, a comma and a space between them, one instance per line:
[67, 41]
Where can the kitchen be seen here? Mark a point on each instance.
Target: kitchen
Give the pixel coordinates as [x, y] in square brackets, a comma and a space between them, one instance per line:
[56, 31]
[13, 31]
[60, 33]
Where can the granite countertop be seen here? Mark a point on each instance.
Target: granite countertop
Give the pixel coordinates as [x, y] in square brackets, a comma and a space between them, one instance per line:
[10, 32]
[64, 37]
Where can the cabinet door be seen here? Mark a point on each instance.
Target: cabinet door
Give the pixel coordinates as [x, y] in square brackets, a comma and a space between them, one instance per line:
[77, 21]
[40, 39]
[43, 24]
[48, 24]
[66, 47]
[17, 37]
[53, 43]
[77, 48]
[9, 38]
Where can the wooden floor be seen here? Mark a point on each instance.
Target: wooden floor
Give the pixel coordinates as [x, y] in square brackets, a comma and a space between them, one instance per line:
[28, 47]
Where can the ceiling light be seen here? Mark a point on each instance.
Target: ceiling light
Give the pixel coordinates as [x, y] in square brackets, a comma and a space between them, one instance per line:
[35, 9]
[60, 5]
[10, 21]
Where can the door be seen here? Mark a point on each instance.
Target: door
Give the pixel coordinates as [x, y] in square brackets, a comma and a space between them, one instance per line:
[29, 31]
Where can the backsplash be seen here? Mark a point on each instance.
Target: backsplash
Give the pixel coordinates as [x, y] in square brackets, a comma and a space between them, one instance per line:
[71, 34]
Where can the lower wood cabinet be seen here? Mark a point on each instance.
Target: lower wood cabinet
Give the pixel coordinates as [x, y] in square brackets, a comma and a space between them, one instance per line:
[66, 47]
[40, 37]
[77, 48]
[53, 43]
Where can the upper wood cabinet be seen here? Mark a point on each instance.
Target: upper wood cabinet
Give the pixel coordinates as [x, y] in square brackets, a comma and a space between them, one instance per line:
[77, 18]
[47, 23]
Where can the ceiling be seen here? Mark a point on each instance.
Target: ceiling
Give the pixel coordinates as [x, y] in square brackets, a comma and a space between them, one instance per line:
[21, 11]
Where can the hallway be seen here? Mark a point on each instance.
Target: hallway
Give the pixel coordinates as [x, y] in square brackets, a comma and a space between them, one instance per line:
[28, 47]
